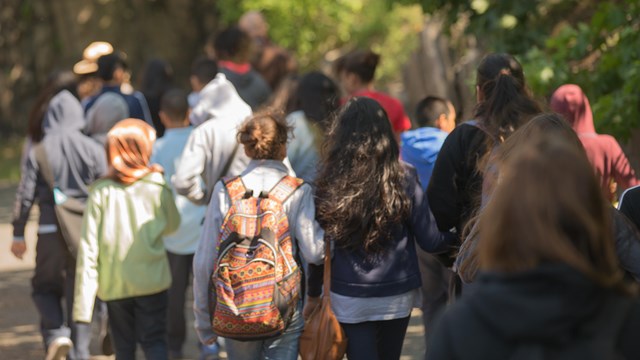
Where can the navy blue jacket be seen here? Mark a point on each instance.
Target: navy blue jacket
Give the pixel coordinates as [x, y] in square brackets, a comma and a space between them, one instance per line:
[138, 108]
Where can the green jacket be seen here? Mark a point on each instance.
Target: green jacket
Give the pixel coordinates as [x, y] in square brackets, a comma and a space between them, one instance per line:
[121, 253]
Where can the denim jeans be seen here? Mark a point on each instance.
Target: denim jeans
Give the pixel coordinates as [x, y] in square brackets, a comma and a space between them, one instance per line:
[140, 319]
[52, 281]
[284, 347]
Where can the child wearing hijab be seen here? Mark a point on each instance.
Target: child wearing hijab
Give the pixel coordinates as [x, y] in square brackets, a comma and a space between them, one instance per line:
[121, 257]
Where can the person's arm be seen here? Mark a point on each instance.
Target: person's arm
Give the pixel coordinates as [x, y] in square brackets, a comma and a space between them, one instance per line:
[203, 263]
[308, 233]
[442, 192]
[25, 197]
[168, 205]
[188, 179]
[86, 281]
[423, 224]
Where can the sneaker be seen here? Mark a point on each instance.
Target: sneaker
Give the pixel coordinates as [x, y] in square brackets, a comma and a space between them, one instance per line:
[59, 348]
[210, 352]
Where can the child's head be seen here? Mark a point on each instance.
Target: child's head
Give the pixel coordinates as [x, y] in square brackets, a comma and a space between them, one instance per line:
[264, 136]
[129, 145]
[203, 71]
[436, 112]
[174, 109]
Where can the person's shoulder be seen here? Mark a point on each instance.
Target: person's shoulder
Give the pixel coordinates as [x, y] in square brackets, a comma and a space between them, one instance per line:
[630, 195]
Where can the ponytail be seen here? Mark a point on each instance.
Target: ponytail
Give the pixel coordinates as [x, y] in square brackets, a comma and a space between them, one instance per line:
[506, 103]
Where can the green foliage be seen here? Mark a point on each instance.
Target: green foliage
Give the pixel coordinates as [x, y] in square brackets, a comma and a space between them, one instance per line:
[10, 152]
[315, 30]
[592, 43]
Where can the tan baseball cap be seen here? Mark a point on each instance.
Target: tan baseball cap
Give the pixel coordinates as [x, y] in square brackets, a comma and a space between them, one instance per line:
[90, 55]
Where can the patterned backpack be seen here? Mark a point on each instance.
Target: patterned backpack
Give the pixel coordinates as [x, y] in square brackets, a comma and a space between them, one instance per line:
[256, 282]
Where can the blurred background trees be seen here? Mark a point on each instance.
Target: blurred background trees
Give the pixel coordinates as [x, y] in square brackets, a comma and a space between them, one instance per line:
[427, 46]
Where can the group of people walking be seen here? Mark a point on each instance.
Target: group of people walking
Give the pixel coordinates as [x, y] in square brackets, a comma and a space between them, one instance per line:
[507, 216]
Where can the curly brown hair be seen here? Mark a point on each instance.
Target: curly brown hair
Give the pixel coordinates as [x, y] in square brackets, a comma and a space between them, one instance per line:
[361, 193]
[264, 135]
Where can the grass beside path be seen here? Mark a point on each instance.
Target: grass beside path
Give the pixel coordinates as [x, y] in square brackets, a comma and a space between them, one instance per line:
[10, 153]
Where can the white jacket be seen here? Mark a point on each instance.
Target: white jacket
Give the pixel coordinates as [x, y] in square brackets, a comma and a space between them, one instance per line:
[218, 115]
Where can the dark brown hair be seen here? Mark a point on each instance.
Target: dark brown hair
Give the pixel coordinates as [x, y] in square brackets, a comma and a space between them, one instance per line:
[363, 63]
[361, 191]
[264, 134]
[232, 44]
[506, 102]
[561, 215]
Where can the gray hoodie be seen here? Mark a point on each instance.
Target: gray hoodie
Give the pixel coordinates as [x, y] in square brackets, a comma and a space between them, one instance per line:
[75, 160]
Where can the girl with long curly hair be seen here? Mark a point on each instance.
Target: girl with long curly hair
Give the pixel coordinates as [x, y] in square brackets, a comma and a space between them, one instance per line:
[373, 209]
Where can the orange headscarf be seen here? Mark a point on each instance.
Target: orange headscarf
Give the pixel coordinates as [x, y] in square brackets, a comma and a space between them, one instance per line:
[129, 144]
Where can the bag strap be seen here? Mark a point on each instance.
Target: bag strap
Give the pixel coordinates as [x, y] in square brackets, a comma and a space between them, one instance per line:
[43, 164]
[285, 188]
[227, 165]
[326, 286]
[235, 187]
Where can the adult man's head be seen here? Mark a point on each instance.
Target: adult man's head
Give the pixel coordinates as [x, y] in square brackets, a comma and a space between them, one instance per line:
[436, 112]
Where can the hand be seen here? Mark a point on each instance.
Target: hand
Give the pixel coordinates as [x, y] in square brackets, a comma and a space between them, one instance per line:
[310, 306]
[211, 340]
[18, 248]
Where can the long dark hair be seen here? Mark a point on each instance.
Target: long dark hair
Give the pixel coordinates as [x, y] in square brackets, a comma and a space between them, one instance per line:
[361, 192]
[505, 102]
[317, 96]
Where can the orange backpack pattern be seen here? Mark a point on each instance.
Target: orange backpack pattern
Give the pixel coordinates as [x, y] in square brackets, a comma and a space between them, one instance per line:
[256, 281]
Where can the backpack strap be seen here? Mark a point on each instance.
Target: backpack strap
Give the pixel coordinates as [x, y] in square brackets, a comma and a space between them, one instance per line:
[235, 187]
[285, 188]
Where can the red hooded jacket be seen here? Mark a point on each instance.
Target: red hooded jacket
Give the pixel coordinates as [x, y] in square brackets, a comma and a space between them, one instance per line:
[603, 151]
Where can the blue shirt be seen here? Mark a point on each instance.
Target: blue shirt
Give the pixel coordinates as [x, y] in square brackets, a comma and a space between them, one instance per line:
[167, 153]
[420, 148]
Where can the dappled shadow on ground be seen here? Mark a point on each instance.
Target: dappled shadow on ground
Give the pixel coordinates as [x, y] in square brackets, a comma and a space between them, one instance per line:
[19, 333]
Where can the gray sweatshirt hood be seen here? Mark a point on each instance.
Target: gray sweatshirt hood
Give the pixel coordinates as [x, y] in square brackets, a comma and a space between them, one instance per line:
[64, 114]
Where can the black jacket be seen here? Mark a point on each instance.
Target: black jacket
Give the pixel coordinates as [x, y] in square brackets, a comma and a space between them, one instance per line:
[551, 312]
[456, 185]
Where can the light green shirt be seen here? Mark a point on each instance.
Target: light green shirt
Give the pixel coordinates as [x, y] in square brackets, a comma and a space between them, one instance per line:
[121, 253]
